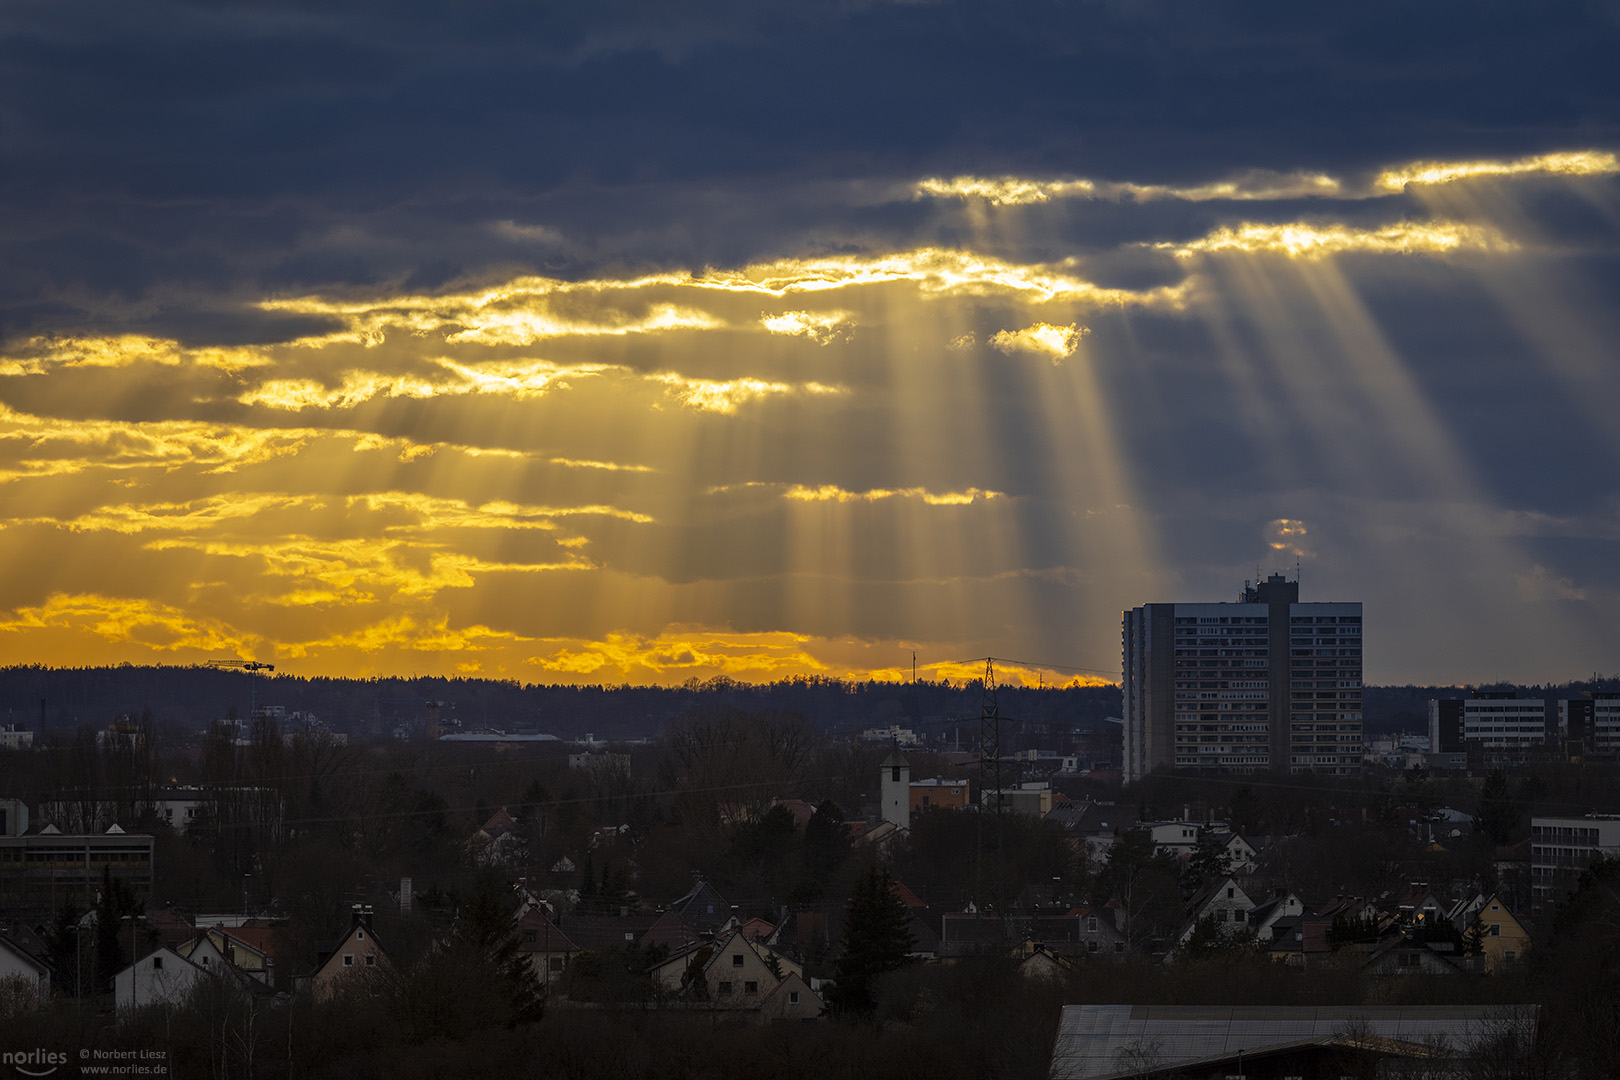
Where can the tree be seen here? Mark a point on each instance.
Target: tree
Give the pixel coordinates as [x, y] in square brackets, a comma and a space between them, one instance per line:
[826, 841]
[1144, 881]
[1498, 814]
[1208, 864]
[476, 978]
[877, 940]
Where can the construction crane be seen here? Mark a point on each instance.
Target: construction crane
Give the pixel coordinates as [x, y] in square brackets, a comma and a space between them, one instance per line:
[252, 667]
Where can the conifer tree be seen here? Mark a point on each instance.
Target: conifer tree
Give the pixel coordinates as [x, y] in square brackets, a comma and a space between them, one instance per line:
[877, 940]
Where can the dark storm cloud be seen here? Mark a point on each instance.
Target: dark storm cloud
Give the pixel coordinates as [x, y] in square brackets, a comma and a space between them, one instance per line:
[224, 147]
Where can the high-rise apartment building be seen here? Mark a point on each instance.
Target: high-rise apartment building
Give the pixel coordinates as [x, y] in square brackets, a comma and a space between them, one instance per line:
[1264, 684]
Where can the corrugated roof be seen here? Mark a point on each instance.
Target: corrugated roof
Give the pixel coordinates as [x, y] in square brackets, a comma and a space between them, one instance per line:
[1099, 1041]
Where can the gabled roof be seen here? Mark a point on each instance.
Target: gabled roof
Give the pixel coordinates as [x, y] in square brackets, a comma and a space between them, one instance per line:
[1212, 892]
[500, 823]
[756, 930]
[703, 904]
[606, 931]
[548, 936]
[905, 895]
[671, 931]
[791, 981]
[22, 954]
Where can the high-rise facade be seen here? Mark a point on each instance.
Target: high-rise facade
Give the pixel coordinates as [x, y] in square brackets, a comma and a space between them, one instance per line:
[1267, 684]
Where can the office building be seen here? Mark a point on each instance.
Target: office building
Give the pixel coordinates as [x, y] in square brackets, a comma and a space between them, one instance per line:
[1493, 726]
[1266, 684]
[1590, 724]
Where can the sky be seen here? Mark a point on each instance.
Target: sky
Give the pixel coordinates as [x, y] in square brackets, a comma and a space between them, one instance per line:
[638, 343]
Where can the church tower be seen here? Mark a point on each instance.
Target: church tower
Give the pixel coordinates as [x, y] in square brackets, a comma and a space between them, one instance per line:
[896, 788]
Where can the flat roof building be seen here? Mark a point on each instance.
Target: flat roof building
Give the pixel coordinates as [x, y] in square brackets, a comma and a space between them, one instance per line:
[44, 870]
[1267, 684]
[1561, 848]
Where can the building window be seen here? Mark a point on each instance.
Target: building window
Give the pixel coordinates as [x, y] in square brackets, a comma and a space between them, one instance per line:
[750, 987]
[724, 989]
[348, 960]
[531, 935]
[793, 997]
[359, 935]
[558, 962]
[736, 959]
[1496, 929]
[1091, 924]
[1092, 946]
[157, 963]
[371, 959]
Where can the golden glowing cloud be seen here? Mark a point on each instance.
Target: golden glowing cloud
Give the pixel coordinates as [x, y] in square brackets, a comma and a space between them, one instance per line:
[42, 446]
[822, 327]
[1573, 163]
[833, 493]
[1023, 191]
[682, 650]
[38, 355]
[707, 395]
[514, 379]
[128, 620]
[1044, 339]
[1307, 241]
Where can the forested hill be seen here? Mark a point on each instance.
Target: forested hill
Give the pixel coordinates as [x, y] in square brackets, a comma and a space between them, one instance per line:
[191, 697]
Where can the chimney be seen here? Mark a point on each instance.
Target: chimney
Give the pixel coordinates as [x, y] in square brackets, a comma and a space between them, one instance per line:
[355, 912]
[365, 916]
[405, 896]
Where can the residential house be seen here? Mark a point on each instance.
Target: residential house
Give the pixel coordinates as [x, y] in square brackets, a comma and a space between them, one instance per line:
[1264, 917]
[1241, 855]
[791, 1000]
[1506, 940]
[18, 962]
[248, 949]
[1226, 903]
[729, 973]
[1406, 955]
[1081, 931]
[548, 948]
[356, 956]
[497, 842]
[159, 977]
[1043, 965]
[606, 933]
[1298, 940]
[1420, 904]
